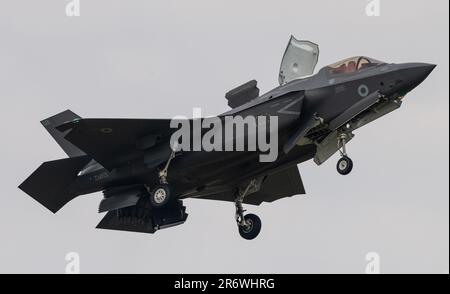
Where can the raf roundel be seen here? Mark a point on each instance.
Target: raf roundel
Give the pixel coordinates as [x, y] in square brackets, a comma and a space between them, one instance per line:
[363, 90]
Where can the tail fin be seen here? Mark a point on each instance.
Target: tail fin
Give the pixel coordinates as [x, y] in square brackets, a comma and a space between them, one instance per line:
[51, 183]
[50, 125]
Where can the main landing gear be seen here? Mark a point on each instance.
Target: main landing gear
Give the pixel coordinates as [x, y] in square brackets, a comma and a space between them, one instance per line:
[345, 164]
[249, 225]
[161, 195]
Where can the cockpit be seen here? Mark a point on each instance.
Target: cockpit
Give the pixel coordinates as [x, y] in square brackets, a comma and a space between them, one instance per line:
[353, 64]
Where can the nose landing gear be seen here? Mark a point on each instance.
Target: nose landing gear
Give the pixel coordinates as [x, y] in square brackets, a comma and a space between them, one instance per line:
[249, 225]
[345, 164]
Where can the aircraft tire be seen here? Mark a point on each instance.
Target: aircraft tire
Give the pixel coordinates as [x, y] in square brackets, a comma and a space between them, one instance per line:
[344, 165]
[160, 196]
[252, 231]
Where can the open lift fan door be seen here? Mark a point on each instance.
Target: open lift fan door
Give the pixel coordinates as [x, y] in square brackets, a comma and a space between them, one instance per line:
[299, 60]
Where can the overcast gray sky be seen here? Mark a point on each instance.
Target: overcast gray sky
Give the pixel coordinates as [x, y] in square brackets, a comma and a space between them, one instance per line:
[143, 59]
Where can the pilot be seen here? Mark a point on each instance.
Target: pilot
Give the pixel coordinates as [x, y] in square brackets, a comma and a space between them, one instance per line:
[351, 67]
[340, 69]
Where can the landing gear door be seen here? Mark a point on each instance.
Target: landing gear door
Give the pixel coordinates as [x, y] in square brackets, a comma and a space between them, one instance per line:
[299, 60]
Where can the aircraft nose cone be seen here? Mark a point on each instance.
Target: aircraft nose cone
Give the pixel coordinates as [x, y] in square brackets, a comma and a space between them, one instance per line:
[424, 70]
[417, 72]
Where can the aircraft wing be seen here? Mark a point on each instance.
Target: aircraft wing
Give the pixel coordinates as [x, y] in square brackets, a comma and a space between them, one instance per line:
[285, 183]
[106, 139]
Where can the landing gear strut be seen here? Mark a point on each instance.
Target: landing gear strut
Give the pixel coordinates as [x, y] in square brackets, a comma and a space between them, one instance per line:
[345, 164]
[163, 173]
[249, 225]
[161, 194]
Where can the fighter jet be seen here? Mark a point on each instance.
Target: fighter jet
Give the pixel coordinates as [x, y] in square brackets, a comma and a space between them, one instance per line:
[144, 179]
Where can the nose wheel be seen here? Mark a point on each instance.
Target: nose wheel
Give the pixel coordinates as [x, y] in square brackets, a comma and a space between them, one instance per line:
[345, 164]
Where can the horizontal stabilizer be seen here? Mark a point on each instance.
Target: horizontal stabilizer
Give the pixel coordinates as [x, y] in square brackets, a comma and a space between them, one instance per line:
[51, 183]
